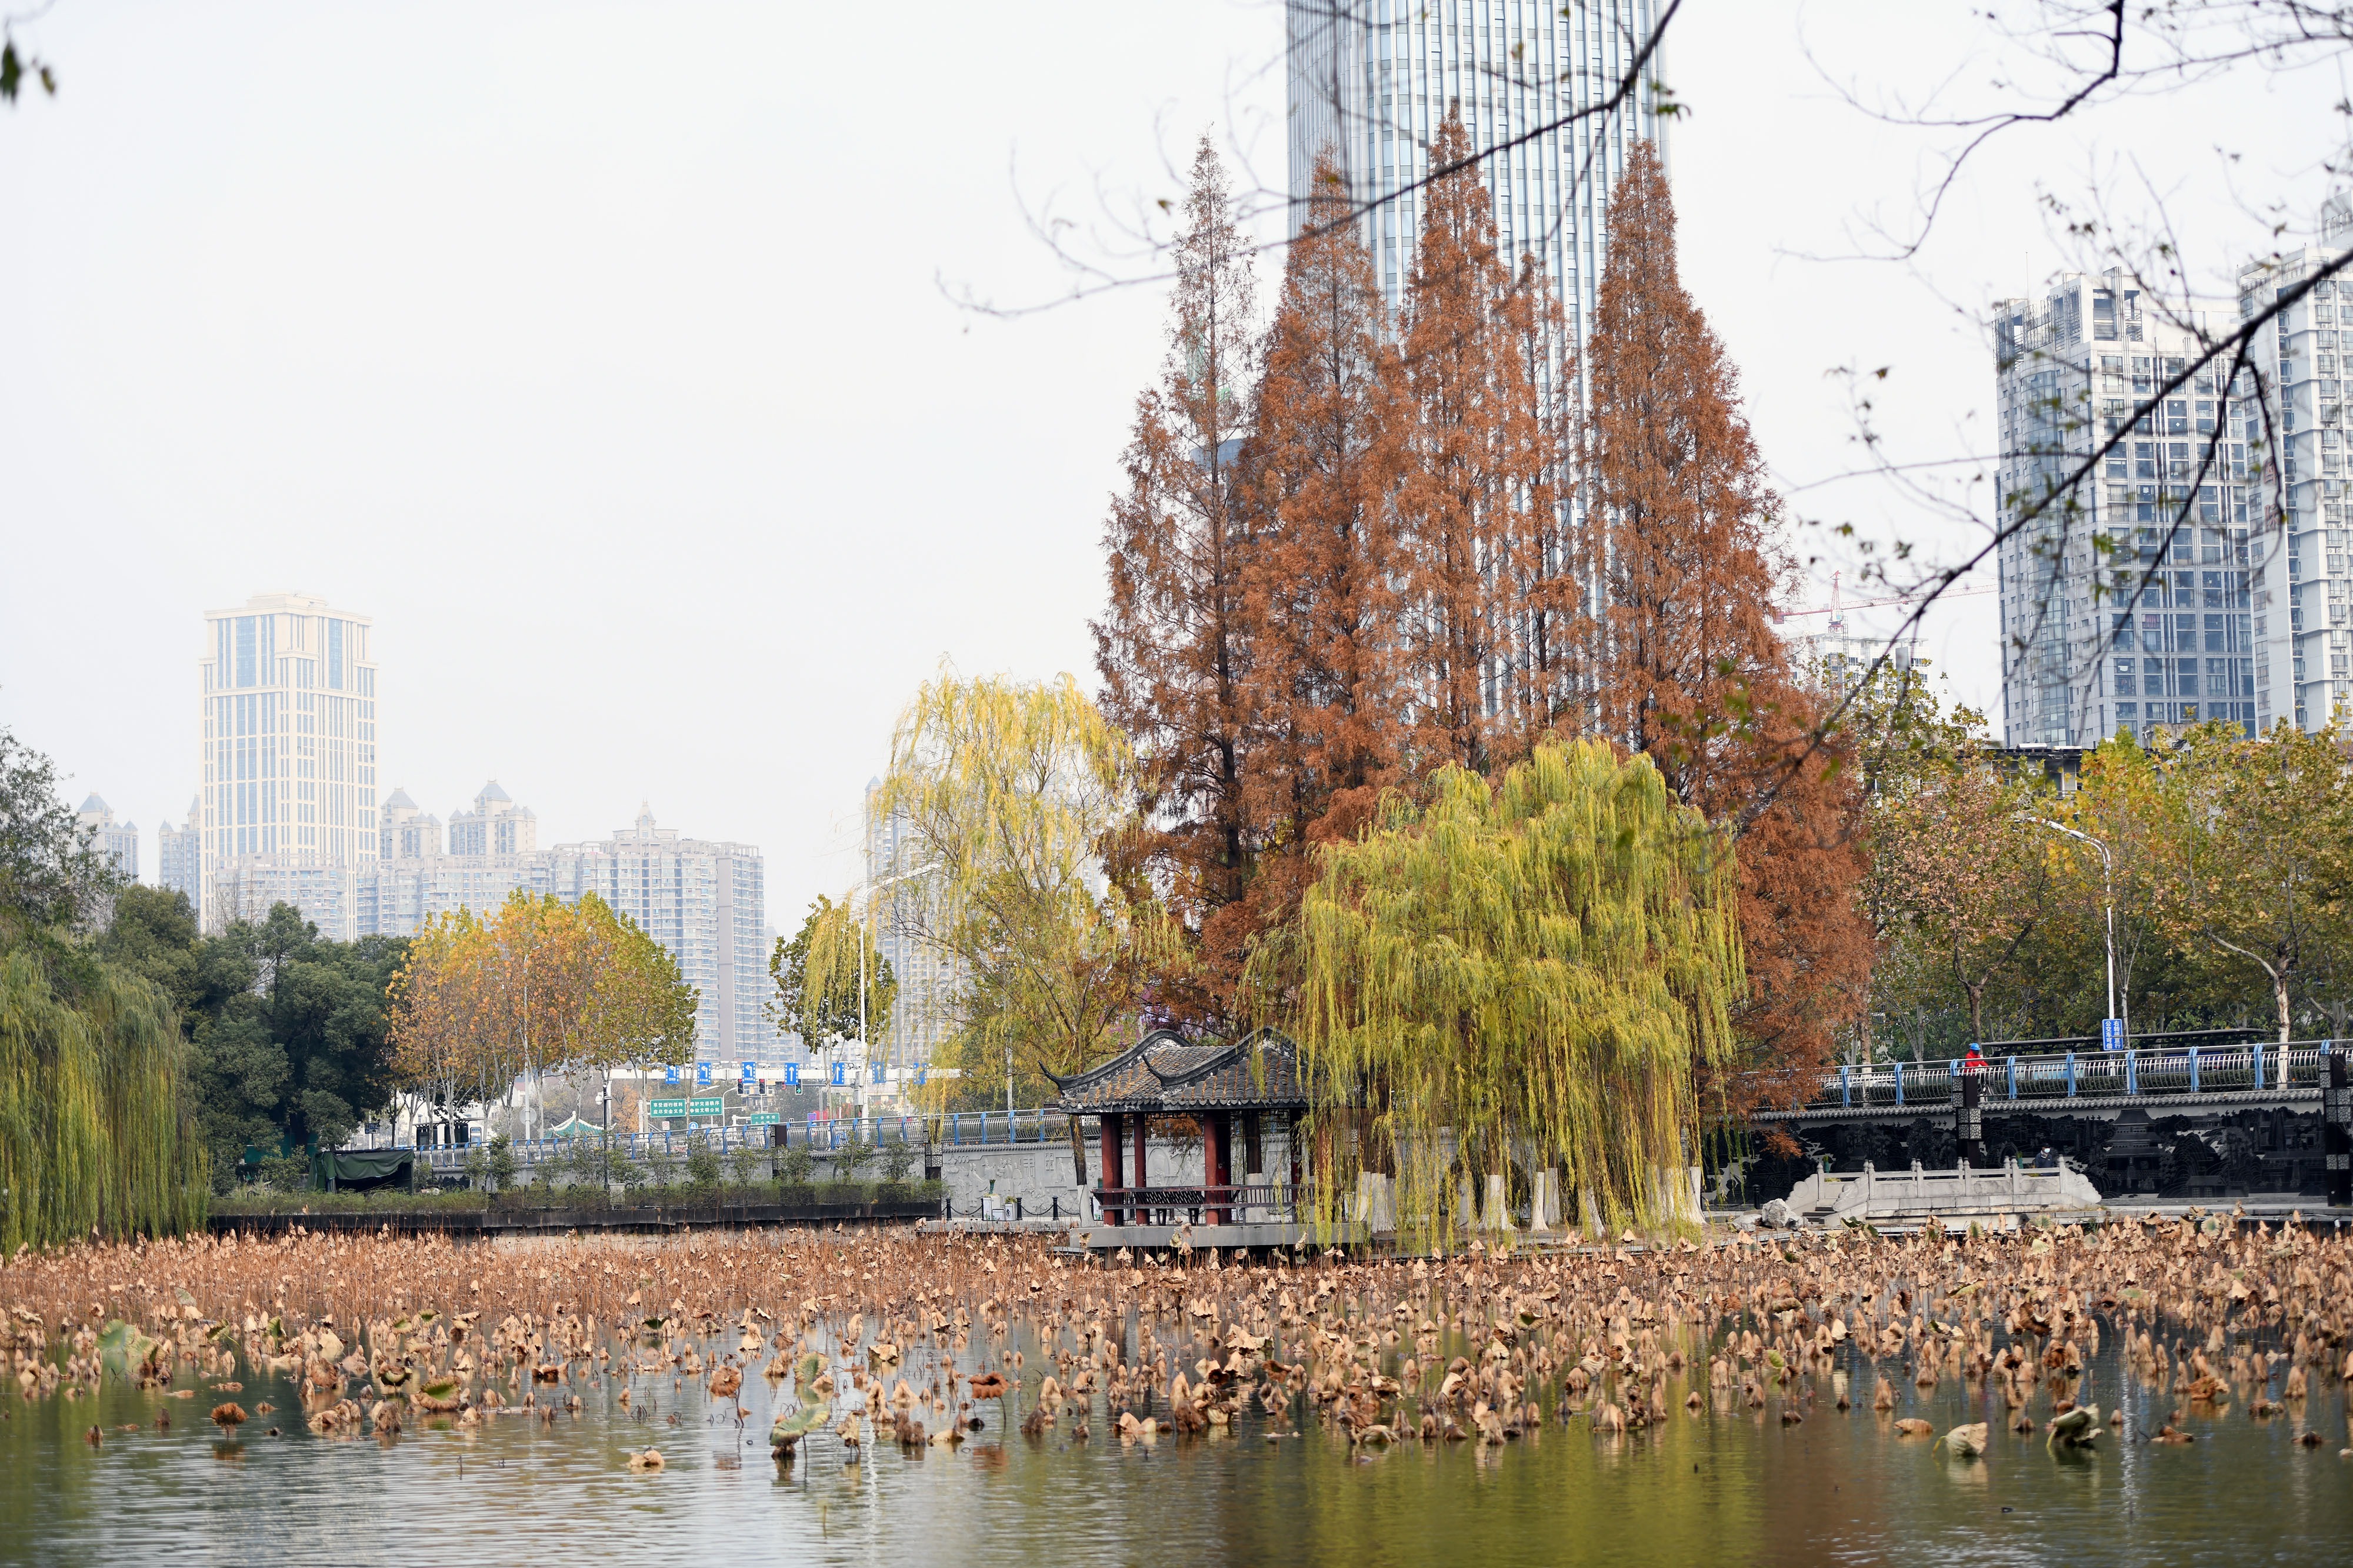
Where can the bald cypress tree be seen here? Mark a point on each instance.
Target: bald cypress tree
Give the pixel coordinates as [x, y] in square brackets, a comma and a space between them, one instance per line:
[1475, 488]
[1685, 663]
[1320, 582]
[1172, 645]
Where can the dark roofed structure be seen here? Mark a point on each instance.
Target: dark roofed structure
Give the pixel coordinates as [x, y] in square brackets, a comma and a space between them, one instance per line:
[1165, 1075]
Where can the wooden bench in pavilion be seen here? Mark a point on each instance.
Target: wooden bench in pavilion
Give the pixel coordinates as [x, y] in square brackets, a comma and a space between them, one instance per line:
[1243, 1091]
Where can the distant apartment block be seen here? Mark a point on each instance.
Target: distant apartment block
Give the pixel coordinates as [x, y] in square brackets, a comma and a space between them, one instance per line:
[2304, 594]
[419, 877]
[117, 841]
[922, 1014]
[702, 900]
[179, 861]
[2112, 618]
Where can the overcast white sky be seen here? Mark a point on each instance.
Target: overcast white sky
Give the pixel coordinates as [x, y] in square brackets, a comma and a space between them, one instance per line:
[597, 351]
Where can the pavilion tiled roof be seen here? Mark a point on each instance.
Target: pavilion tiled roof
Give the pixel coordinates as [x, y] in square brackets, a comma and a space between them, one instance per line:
[1163, 1073]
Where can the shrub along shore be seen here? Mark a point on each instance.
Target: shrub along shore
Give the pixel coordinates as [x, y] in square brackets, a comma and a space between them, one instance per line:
[578, 1198]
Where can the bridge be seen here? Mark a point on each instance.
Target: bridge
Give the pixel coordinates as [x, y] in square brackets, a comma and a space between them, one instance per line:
[2157, 1078]
[2184, 1115]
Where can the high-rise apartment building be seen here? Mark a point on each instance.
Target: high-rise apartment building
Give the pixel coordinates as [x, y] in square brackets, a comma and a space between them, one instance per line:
[179, 853]
[417, 880]
[496, 825]
[2111, 618]
[2303, 592]
[922, 1013]
[2246, 614]
[405, 832]
[117, 841]
[289, 760]
[1371, 81]
[702, 900]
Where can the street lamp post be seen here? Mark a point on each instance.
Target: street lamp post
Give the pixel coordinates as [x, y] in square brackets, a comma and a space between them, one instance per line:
[865, 1049]
[2108, 877]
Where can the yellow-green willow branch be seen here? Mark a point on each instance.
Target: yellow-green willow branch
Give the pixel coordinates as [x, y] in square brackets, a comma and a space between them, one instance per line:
[1527, 974]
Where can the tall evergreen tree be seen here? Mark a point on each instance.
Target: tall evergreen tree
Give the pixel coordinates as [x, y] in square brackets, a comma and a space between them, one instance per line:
[1320, 585]
[1685, 662]
[1171, 646]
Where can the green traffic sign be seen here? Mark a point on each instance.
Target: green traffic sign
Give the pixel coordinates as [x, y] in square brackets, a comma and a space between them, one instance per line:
[665, 1107]
[762, 1118]
[705, 1106]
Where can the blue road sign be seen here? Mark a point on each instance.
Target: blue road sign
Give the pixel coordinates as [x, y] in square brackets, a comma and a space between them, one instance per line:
[702, 1072]
[669, 1074]
[2112, 1034]
[841, 1071]
[793, 1076]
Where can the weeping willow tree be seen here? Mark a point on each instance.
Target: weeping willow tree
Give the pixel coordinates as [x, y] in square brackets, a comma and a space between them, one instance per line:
[1015, 798]
[93, 1137]
[92, 1065]
[1530, 973]
[832, 980]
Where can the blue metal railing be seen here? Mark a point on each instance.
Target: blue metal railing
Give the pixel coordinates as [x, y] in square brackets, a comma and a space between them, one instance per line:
[821, 1137]
[2136, 1072]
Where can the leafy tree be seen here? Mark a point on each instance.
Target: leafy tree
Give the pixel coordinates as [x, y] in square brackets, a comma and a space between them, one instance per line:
[2265, 836]
[479, 1007]
[852, 1158]
[797, 1166]
[821, 1002]
[153, 934]
[1536, 970]
[1014, 793]
[94, 1130]
[53, 877]
[1976, 910]
[288, 1032]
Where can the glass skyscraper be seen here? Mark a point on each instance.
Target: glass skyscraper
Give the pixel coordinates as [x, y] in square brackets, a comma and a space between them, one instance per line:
[288, 759]
[1371, 80]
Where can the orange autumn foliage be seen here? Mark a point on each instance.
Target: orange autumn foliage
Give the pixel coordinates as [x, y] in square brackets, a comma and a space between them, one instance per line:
[1690, 670]
[1413, 551]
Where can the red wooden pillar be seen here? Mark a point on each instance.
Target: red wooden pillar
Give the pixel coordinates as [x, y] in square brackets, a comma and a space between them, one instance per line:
[1217, 1134]
[1143, 1123]
[1107, 1132]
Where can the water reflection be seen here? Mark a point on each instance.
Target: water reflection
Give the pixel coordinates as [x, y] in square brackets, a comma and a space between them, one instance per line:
[1727, 1485]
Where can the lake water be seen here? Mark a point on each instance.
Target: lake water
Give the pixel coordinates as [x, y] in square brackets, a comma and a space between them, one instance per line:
[1728, 1486]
